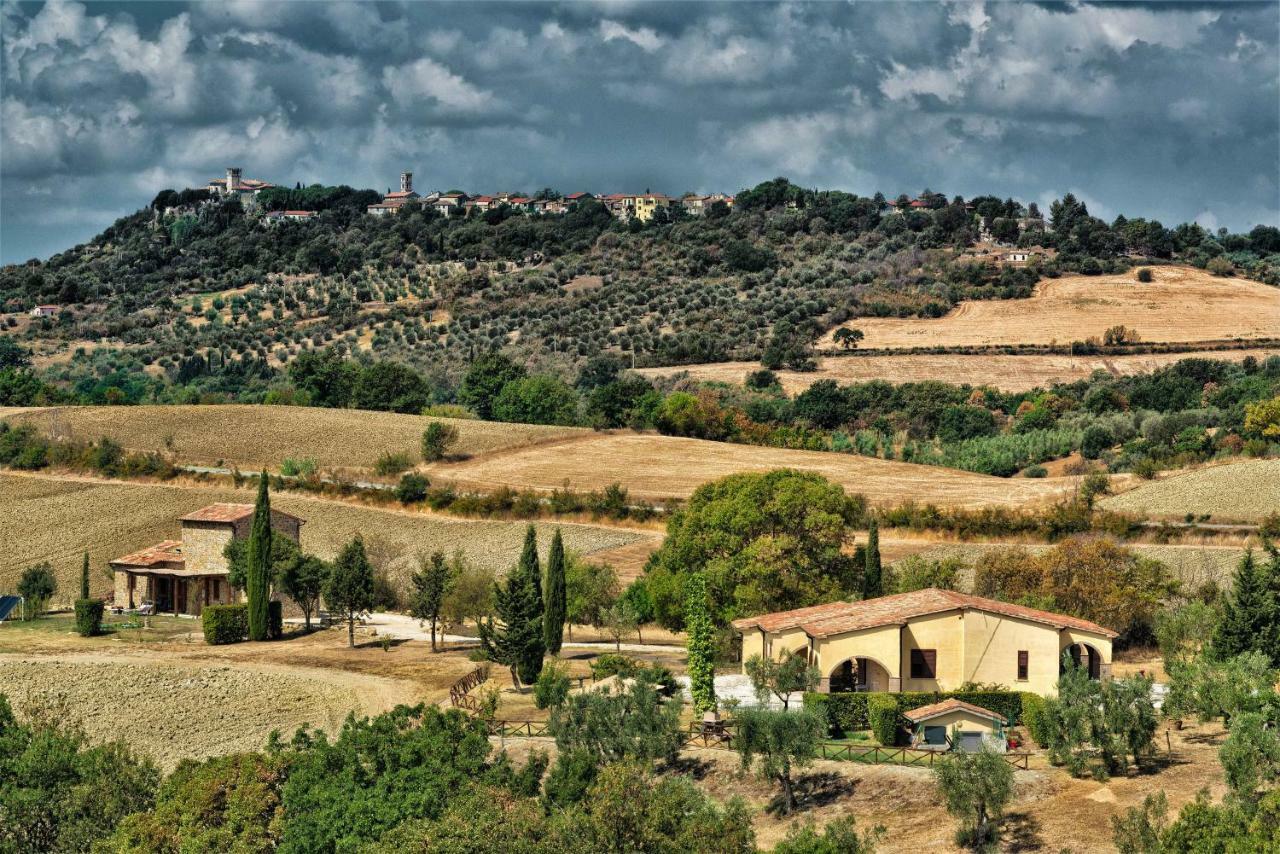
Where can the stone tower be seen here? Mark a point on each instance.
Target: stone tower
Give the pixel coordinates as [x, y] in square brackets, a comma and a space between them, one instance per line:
[406, 182]
[233, 178]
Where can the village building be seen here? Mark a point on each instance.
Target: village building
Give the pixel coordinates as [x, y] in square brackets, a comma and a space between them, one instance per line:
[289, 216]
[450, 204]
[246, 189]
[929, 640]
[182, 576]
[45, 311]
[392, 202]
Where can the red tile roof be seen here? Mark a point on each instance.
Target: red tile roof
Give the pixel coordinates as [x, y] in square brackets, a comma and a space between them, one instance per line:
[842, 617]
[951, 704]
[299, 213]
[574, 196]
[227, 513]
[169, 551]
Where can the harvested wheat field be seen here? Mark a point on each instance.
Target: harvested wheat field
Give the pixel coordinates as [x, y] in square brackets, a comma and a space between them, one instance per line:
[1246, 491]
[1007, 373]
[1182, 304]
[254, 437]
[658, 467]
[57, 519]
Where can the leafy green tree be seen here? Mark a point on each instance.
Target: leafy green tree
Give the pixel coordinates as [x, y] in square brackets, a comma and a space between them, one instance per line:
[484, 380]
[976, 788]
[302, 580]
[437, 439]
[1111, 721]
[777, 743]
[552, 687]
[36, 586]
[556, 591]
[1247, 613]
[622, 722]
[479, 820]
[284, 552]
[764, 541]
[258, 573]
[847, 338]
[1185, 632]
[471, 595]
[620, 620]
[838, 837]
[538, 399]
[58, 792]
[872, 573]
[517, 640]
[590, 589]
[84, 577]
[639, 604]
[917, 573]
[1250, 757]
[701, 645]
[431, 585]
[781, 678]
[1210, 688]
[349, 588]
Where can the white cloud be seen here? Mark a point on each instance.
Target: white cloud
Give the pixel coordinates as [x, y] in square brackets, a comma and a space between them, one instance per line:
[426, 79]
[644, 38]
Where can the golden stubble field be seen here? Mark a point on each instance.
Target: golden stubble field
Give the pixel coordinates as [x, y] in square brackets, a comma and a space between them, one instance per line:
[1245, 491]
[57, 519]
[254, 437]
[1007, 373]
[658, 467]
[1182, 304]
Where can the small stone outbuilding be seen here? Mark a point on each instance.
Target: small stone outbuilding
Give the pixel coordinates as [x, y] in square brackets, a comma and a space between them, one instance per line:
[956, 725]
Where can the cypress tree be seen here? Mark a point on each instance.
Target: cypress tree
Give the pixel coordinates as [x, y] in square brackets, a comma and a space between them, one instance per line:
[701, 645]
[517, 641]
[872, 574]
[557, 603]
[1247, 612]
[258, 564]
[84, 577]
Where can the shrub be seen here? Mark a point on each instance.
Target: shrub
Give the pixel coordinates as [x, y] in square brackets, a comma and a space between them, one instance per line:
[1033, 717]
[412, 488]
[298, 467]
[552, 687]
[611, 664]
[1095, 440]
[437, 439]
[1144, 275]
[1035, 471]
[89, 617]
[275, 619]
[225, 624]
[848, 713]
[882, 712]
[392, 462]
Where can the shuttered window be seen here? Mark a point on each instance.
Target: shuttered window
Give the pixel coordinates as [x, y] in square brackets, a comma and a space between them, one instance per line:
[924, 663]
[1022, 665]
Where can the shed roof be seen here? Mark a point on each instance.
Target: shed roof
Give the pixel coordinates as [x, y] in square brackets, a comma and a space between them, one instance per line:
[951, 704]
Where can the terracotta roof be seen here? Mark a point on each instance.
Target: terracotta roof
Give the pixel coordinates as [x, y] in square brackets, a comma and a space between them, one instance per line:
[227, 513]
[299, 213]
[400, 194]
[951, 704]
[841, 617]
[169, 551]
[573, 196]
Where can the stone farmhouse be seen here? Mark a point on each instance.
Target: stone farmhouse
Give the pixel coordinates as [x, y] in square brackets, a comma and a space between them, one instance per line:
[929, 640]
[182, 576]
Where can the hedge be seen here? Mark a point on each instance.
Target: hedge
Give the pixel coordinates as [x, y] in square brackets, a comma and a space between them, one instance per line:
[1033, 716]
[225, 623]
[275, 619]
[883, 713]
[850, 712]
[89, 617]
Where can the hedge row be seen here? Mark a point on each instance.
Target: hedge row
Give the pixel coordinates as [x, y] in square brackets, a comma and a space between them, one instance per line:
[852, 712]
[230, 623]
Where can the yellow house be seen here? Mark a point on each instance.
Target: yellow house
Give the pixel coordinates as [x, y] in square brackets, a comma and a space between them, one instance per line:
[929, 640]
[647, 205]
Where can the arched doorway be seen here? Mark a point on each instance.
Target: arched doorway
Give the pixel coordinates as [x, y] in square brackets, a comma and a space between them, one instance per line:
[1084, 656]
[858, 674]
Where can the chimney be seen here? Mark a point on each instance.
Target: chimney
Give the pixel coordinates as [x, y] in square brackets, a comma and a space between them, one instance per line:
[233, 178]
[406, 182]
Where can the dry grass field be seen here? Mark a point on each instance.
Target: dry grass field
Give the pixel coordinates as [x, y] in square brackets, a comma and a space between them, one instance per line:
[1007, 373]
[55, 519]
[658, 467]
[1245, 491]
[253, 437]
[1183, 304]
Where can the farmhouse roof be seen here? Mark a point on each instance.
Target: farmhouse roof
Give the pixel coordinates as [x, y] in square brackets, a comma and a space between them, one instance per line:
[168, 551]
[228, 513]
[575, 196]
[951, 704]
[838, 618]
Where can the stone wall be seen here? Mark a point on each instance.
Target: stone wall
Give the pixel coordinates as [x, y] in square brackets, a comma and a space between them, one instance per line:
[202, 546]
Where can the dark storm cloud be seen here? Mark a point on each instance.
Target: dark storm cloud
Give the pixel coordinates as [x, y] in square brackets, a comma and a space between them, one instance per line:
[1171, 111]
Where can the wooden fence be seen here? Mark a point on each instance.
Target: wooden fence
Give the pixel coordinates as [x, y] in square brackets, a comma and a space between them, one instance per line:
[459, 695]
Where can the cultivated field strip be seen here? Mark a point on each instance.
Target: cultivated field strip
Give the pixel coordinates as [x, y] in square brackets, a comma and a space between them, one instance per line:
[1245, 491]
[1007, 373]
[57, 520]
[658, 467]
[253, 437]
[1182, 304]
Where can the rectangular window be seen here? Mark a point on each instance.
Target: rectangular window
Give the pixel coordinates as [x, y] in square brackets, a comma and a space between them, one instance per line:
[924, 663]
[1022, 665]
[935, 735]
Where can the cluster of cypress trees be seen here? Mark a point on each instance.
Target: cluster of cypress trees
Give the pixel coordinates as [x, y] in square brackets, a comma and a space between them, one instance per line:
[530, 624]
[1251, 614]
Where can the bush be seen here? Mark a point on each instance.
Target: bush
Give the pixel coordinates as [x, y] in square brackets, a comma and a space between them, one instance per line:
[552, 687]
[437, 439]
[1035, 471]
[392, 462]
[1095, 440]
[611, 664]
[89, 617]
[225, 623]
[412, 488]
[882, 712]
[1144, 275]
[275, 619]
[298, 467]
[1033, 717]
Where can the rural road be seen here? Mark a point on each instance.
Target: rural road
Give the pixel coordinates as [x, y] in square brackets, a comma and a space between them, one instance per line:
[401, 626]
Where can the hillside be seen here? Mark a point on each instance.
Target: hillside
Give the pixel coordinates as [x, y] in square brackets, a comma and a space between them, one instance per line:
[1243, 491]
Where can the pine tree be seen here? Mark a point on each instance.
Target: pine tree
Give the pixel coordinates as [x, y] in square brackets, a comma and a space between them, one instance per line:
[1247, 612]
[517, 642]
[431, 583]
[258, 575]
[349, 589]
[701, 645]
[84, 577]
[872, 574]
[556, 597]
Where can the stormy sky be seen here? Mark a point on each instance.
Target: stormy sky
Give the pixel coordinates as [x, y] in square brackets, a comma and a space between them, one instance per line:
[1167, 111]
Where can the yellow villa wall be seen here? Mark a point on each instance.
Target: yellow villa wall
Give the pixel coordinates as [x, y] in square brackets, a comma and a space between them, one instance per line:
[943, 632]
[991, 644]
[879, 644]
[752, 645]
[786, 642]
